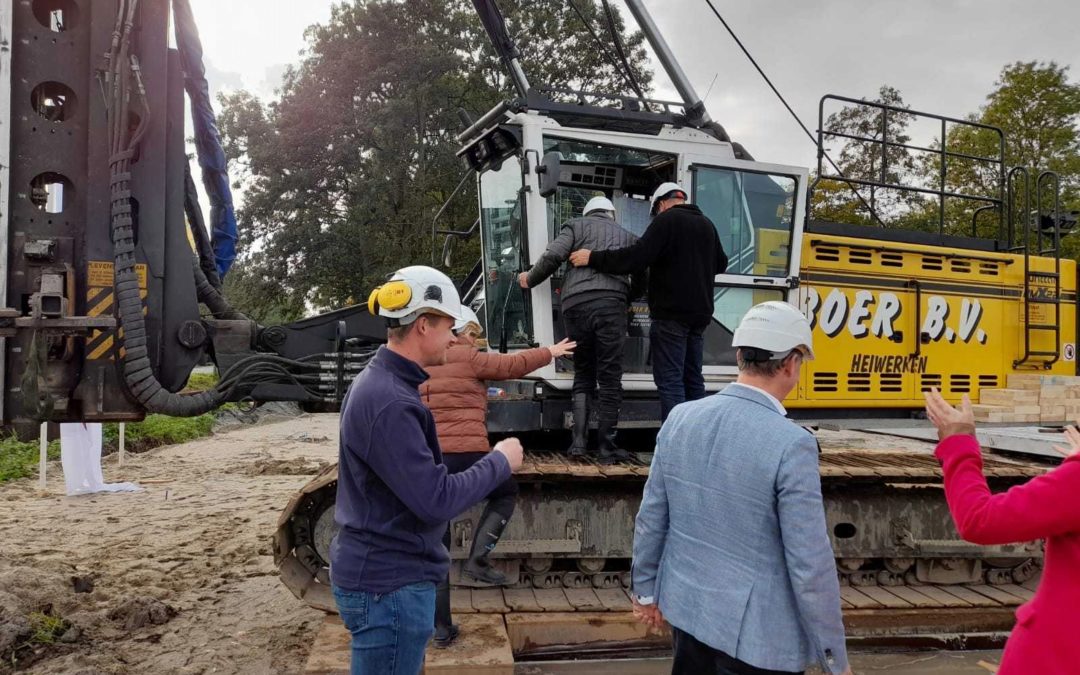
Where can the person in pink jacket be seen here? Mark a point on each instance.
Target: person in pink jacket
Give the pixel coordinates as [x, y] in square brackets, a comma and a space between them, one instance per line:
[1044, 640]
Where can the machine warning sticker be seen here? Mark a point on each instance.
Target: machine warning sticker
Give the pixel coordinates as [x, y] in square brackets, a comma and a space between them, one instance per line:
[99, 301]
[99, 273]
[1068, 352]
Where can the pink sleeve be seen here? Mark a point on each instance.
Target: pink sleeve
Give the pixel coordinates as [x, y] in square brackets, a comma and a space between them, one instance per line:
[1045, 506]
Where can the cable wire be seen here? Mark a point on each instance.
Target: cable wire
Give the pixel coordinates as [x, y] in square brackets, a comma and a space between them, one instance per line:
[627, 74]
[813, 139]
[620, 51]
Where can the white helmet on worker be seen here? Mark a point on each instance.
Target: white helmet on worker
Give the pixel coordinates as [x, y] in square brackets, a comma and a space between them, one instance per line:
[664, 192]
[468, 317]
[777, 328]
[598, 204]
[412, 292]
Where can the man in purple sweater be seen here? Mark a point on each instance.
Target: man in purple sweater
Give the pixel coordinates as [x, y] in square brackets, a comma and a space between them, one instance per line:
[394, 495]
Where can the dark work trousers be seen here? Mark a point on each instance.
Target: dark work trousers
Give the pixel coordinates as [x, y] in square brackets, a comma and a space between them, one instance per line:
[501, 499]
[693, 657]
[677, 353]
[599, 329]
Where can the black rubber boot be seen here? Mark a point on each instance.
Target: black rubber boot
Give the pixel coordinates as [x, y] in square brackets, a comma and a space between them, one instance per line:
[445, 630]
[610, 453]
[478, 566]
[580, 445]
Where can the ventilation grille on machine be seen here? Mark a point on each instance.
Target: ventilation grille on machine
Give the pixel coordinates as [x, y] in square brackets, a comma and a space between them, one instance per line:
[933, 263]
[990, 269]
[826, 382]
[926, 381]
[892, 260]
[859, 256]
[960, 266]
[858, 382]
[891, 383]
[988, 381]
[827, 254]
[960, 384]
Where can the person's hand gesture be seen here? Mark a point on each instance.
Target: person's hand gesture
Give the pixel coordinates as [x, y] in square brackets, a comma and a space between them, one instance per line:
[512, 450]
[1073, 437]
[523, 280]
[564, 348]
[580, 257]
[650, 615]
[949, 421]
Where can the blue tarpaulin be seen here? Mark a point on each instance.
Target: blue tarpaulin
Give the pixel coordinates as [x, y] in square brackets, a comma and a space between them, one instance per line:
[211, 157]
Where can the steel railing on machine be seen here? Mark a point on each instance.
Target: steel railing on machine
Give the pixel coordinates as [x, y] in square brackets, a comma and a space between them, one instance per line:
[885, 178]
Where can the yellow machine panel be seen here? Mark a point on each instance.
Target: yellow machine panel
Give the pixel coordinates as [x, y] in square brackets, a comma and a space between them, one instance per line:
[893, 319]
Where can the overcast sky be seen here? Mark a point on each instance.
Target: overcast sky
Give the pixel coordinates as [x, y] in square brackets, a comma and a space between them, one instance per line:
[943, 55]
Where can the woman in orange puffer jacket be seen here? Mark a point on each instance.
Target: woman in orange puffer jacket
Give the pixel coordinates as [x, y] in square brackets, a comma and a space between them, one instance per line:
[456, 394]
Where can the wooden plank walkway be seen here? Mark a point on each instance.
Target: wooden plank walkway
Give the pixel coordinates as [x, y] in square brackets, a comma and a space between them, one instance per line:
[507, 600]
[845, 463]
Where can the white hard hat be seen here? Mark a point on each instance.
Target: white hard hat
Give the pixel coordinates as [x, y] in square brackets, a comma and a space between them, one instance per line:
[663, 191]
[467, 316]
[598, 204]
[413, 291]
[776, 327]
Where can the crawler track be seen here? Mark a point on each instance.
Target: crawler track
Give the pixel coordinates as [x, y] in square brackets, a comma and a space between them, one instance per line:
[569, 545]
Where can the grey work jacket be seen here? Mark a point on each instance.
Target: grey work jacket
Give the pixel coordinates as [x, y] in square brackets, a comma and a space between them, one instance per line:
[583, 284]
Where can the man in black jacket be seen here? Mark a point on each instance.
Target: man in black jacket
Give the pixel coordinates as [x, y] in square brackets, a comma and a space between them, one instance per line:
[683, 253]
[594, 307]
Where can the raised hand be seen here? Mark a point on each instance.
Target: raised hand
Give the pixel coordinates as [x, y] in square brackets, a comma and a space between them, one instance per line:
[564, 348]
[949, 421]
[1073, 437]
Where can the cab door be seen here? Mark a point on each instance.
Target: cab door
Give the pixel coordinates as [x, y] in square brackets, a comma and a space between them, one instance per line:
[758, 211]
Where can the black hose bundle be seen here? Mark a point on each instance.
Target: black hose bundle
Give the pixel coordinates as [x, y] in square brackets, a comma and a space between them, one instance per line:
[122, 80]
[122, 73]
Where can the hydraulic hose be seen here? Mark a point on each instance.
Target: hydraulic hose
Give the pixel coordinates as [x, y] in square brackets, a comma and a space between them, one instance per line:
[138, 371]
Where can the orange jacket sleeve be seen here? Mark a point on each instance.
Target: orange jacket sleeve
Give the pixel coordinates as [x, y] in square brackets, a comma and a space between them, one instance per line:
[495, 366]
[1045, 506]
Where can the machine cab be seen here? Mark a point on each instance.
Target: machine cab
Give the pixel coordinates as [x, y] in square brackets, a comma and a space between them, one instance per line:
[536, 173]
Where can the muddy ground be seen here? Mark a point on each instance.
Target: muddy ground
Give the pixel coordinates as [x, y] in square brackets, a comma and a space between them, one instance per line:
[176, 579]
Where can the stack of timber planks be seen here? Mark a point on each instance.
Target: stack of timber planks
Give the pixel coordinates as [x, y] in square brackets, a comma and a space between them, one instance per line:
[1031, 399]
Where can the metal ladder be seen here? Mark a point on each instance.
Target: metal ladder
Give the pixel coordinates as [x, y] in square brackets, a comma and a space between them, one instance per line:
[1038, 294]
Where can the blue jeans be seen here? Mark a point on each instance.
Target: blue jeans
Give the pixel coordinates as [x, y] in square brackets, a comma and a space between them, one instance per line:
[390, 631]
[677, 354]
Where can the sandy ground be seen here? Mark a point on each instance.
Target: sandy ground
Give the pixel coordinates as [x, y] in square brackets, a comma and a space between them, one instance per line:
[182, 574]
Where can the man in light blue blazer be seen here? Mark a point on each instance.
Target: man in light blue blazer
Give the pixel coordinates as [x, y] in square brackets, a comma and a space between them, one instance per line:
[730, 544]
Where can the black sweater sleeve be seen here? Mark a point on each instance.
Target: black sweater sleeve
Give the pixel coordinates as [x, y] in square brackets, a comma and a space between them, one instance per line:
[721, 257]
[638, 256]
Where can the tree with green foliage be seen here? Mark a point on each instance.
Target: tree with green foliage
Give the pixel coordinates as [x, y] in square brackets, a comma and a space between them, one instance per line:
[843, 202]
[1038, 109]
[343, 174]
